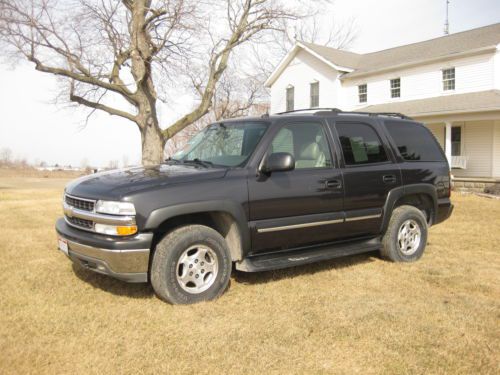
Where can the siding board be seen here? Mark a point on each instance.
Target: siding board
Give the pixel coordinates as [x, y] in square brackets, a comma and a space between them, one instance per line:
[478, 146]
[496, 150]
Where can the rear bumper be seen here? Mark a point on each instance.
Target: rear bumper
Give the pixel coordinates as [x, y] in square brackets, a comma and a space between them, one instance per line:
[444, 210]
[126, 259]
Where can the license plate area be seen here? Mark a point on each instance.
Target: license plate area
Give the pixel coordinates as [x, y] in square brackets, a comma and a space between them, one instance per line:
[63, 245]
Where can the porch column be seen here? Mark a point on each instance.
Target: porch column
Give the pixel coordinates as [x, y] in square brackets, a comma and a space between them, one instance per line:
[447, 142]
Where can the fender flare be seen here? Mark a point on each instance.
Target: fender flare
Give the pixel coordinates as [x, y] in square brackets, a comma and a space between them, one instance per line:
[402, 191]
[160, 215]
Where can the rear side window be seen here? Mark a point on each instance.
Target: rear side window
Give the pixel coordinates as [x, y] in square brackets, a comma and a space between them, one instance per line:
[414, 141]
[360, 144]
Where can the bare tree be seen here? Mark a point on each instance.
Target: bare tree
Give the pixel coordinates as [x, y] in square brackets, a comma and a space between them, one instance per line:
[125, 162]
[113, 55]
[236, 95]
[314, 27]
[84, 163]
[113, 164]
[5, 155]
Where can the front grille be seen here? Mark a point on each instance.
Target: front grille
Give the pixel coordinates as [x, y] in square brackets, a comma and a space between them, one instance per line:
[80, 222]
[80, 204]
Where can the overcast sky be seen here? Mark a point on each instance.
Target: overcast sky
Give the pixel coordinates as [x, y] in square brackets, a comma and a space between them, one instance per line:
[34, 128]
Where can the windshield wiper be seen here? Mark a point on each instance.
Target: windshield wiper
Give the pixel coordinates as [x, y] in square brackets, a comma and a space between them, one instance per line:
[204, 163]
[172, 160]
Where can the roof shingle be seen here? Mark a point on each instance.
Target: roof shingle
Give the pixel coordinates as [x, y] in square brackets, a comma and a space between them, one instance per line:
[469, 102]
[445, 46]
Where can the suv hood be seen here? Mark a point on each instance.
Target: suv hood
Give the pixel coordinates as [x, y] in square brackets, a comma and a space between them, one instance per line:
[113, 185]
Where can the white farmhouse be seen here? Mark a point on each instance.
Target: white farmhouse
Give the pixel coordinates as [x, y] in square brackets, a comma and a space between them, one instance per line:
[451, 83]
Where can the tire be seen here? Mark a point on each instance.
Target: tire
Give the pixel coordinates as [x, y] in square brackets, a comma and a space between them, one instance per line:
[191, 264]
[407, 223]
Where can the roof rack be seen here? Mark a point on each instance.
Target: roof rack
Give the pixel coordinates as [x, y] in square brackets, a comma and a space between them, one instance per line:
[326, 111]
[392, 114]
[310, 109]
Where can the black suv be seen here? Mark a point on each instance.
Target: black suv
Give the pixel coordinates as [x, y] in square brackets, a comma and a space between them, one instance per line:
[263, 193]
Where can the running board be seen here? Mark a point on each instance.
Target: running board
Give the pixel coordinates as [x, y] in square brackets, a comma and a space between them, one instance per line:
[297, 257]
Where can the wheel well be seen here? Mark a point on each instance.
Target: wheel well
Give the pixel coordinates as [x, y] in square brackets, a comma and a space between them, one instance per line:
[421, 201]
[222, 222]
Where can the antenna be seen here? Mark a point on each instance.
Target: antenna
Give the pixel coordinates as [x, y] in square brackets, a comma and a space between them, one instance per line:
[446, 23]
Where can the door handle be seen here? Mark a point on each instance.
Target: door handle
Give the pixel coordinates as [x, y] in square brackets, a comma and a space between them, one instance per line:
[333, 184]
[389, 178]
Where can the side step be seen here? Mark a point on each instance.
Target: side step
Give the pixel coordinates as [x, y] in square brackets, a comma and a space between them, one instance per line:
[296, 257]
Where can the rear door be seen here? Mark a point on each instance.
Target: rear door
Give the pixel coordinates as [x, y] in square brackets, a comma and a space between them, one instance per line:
[369, 172]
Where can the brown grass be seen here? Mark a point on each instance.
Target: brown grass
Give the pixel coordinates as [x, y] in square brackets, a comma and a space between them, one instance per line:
[16, 172]
[360, 314]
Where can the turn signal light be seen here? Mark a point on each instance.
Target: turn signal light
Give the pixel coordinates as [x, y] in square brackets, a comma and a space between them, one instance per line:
[115, 230]
[126, 231]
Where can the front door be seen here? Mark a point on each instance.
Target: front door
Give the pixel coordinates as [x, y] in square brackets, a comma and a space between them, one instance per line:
[299, 207]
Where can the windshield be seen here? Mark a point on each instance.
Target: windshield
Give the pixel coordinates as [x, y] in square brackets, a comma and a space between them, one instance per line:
[225, 144]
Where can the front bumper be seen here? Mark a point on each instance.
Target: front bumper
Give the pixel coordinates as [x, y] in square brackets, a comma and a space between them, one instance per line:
[124, 258]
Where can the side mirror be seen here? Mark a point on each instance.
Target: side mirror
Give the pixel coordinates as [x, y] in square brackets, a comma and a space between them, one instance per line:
[278, 162]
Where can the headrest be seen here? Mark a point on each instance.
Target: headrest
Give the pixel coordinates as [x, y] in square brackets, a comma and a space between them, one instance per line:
[310, 151]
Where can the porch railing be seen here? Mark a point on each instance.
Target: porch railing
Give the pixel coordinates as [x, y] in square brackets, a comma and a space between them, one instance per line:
[459, 162]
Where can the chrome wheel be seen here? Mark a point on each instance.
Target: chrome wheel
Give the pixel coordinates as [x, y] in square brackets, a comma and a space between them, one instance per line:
[197, 269]
[409, 236]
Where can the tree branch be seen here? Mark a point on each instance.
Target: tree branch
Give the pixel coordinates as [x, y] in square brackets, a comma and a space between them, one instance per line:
[96, 105]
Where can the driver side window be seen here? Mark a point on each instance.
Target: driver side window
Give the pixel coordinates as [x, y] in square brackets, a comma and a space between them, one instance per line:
[306, 142]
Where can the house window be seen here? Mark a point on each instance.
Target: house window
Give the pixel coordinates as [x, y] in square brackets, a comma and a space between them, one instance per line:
[314, 90]
[396, 88]
[456, 141]
[449, 79]
[363, 93]
[290, 93]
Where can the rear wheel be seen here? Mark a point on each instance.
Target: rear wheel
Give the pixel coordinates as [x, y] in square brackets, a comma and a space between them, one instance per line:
[191, 264]
[406, 235]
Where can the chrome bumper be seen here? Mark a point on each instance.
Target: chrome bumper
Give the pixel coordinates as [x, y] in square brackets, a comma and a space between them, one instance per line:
[123, 261]
[126, 265]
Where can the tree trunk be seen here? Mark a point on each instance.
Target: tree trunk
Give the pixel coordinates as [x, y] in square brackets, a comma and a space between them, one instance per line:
[152, 145]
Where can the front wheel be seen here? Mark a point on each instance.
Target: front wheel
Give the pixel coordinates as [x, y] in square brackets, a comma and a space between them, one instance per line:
[406, 235]
[191, 264]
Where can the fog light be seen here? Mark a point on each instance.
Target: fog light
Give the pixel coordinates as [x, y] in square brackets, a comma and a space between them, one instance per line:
[114, 230]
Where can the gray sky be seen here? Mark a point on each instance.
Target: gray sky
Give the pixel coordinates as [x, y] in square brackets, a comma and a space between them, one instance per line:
[34, 128]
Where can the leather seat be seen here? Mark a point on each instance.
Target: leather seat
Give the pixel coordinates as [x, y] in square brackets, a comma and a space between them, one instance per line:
[310, 156]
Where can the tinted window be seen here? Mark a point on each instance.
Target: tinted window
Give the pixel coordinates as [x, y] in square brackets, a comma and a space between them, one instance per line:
[360, 144]
[306, 142]
[414, 141]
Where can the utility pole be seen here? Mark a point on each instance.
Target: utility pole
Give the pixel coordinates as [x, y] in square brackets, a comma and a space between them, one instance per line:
[446, 23]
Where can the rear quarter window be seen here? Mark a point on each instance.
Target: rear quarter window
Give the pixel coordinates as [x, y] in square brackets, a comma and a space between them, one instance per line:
[414, 141]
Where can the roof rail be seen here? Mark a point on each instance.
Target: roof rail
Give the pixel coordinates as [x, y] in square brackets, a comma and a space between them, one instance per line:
[310, 109]
[389, 114]
[326, 111]
[393, 114]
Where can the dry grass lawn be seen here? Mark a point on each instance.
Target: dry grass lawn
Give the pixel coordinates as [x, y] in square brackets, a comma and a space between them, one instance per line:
[360, 314]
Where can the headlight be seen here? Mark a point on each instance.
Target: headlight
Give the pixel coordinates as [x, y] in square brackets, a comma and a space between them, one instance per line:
[114, 230]
[115, 208]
